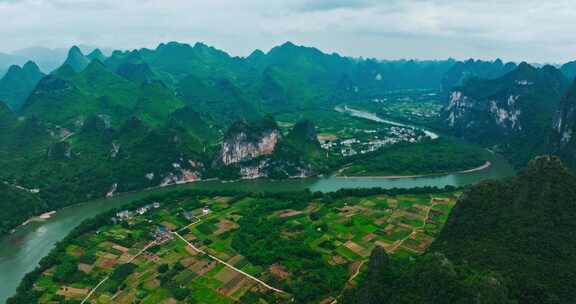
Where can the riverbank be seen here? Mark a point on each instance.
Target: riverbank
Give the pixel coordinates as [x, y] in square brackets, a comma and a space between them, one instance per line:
[485, 166]
[40, 218]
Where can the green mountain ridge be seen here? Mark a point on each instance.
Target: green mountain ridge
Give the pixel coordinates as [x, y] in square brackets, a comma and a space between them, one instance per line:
[96, 54]
[76, 59]
[64, 97]
[462, 72]
[18, 83]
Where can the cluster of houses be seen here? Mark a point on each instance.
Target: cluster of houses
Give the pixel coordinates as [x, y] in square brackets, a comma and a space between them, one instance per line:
[189, 215]
[353, 146]
[162, 235]
[126, 215]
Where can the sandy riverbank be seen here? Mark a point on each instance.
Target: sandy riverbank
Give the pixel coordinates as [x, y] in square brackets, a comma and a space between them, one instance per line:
[40, 218]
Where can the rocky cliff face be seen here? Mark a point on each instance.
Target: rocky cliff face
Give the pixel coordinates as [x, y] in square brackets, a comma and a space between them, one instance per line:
[513, 113]
[565, 121]
[507, 106]
[245, 142]
[258, 149]
[499, 112]
[564, 137]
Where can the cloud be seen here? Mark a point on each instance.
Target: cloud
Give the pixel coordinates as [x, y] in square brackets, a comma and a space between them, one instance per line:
[326, 5]
[516, 30]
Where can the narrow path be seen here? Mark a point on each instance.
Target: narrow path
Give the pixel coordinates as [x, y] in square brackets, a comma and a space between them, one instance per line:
[141, 251]
[396, 246]
[230, 266]
[94, 289]
[416, 229]
[106, 278]
[197, 219]
[357, 271]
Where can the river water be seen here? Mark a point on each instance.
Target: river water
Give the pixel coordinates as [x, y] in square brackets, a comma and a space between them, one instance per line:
[21, 251]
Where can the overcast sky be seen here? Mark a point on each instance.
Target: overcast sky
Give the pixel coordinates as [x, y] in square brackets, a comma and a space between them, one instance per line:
[531, 30]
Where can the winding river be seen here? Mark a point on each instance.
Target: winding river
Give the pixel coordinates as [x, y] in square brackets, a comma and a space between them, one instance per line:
[21, 251]
[376, 118]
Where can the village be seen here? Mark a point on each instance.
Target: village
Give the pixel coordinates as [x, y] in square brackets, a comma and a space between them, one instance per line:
[363, 141]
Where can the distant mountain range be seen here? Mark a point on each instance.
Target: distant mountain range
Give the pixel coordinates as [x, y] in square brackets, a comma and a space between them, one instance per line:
[128, 120]
[47, 59]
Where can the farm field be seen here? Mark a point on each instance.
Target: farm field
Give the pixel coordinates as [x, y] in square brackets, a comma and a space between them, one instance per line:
[187, 248]
[421, 107]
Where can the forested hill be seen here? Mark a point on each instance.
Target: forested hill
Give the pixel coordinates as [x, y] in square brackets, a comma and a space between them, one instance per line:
[505, 242]
[18, 83]
[521, 229]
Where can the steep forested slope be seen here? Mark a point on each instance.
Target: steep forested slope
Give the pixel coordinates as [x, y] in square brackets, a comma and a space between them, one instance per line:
[17, 203]
[505, 242]
[521, 229]
[431, 279]
[66, 97]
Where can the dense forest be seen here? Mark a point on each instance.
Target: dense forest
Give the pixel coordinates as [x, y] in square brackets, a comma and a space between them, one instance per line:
[431, 279]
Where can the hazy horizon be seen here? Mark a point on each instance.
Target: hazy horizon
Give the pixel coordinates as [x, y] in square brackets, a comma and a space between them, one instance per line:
[413, 29]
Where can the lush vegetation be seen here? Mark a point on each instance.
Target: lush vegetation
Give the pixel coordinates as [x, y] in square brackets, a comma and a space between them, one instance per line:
[14, 203]
[429, 157]
[522, 226]
[149, 117]
[308, 244]
[432, 278]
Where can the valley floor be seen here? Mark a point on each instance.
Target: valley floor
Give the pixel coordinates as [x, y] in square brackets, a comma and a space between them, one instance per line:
[210, 249]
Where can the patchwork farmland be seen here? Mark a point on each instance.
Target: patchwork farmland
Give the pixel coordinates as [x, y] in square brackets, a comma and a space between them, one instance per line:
[240, 249]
